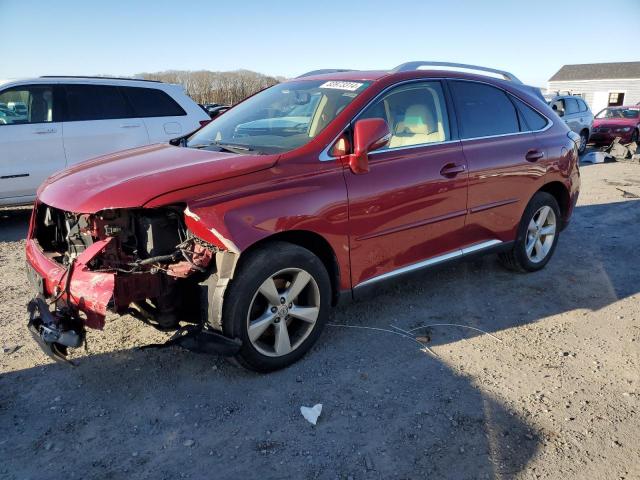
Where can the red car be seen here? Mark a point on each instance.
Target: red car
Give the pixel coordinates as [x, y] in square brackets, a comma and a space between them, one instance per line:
[612, 122]
[309, 192]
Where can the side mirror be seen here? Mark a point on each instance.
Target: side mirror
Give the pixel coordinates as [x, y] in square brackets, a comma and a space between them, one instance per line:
[560, 112]
[368, 135]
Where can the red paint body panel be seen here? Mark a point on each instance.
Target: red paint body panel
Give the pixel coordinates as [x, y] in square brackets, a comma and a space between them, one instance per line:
[604, 129]
[134, 177]
[404, 210]
[89, 291]
[401, 212]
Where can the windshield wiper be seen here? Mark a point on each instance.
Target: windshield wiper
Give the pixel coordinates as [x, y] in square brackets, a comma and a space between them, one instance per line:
[223, 146]
[233, 148]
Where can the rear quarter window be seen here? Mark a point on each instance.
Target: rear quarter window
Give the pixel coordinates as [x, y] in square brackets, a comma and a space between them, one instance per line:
[582, 105]
[530, 120]
[151, 102]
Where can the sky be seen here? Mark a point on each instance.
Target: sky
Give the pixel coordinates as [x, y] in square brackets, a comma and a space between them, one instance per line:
[531, 39]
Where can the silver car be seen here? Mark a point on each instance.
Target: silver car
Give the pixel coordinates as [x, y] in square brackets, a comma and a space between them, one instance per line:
[576, 114]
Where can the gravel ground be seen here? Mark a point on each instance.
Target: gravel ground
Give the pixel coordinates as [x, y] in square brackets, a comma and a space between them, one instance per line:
[556, 395]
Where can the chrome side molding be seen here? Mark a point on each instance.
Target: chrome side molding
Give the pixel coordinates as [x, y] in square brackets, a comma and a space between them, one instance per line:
[432, 261]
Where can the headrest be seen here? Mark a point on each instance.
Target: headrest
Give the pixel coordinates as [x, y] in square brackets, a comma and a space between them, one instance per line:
[417, 120]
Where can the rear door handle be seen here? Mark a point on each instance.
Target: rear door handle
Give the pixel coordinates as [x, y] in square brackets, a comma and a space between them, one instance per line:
[534, 155]
[44, 130]
[450, 170]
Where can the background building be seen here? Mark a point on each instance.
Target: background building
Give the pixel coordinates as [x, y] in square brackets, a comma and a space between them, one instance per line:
[600, 84]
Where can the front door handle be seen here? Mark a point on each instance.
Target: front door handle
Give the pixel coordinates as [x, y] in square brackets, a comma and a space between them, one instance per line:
[130, 125]
[450, 170]
[534, 155]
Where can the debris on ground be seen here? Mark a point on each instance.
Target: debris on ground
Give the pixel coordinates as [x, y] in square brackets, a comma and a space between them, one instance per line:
[11, 349]
[311, 414]
[627, 193]
[596, 157]
[617, 151]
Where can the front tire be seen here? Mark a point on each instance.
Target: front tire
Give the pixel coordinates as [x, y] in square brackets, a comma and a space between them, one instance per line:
[537, 235]
[277, 304]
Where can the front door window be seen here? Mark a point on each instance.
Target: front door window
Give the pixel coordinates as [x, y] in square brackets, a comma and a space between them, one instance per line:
[31, 104]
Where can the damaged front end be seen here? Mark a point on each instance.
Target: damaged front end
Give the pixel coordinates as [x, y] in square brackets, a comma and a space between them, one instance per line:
[144, 262]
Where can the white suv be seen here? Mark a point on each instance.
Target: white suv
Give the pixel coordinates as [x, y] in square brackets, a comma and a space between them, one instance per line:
[66, 120]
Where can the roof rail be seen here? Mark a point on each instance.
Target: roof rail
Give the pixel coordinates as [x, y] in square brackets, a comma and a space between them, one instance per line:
[100, 78]
[410, 66]
[325, 70]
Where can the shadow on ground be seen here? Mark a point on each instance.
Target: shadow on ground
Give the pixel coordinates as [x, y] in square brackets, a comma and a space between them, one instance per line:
[14, 224]
[390, 410]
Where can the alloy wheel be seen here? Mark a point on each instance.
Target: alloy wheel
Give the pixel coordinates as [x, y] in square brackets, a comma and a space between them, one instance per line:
[541, 233]
[583, 142]
[283, 312]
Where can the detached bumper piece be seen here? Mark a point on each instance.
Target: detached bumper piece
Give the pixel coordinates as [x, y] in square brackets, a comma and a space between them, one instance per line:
[55, 332]
[201, 339]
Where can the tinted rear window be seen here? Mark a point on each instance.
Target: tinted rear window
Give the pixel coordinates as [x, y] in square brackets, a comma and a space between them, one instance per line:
[95, 102]
[530, 119]
[483, 110]
[150, 102]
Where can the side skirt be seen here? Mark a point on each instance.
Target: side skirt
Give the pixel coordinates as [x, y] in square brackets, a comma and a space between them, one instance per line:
[381, 282]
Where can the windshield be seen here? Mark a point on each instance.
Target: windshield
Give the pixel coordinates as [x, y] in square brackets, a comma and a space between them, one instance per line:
[280, 118]
[619, 113]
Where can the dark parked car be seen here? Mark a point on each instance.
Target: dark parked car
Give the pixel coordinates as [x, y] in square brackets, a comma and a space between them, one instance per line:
[254, 227]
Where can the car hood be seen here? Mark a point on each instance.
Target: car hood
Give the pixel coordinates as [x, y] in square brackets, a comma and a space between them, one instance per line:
[132, 178]
[615, 122]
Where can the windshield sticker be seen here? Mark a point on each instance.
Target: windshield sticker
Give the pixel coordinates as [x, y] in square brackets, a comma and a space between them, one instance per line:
[349, 86]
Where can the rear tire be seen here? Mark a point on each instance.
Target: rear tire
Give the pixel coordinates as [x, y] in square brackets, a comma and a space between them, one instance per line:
[584, 139]
[276, 333]
[537, 235]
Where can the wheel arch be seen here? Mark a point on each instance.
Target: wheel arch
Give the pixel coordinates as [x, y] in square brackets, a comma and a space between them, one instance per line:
[315, 243]
[561, 193]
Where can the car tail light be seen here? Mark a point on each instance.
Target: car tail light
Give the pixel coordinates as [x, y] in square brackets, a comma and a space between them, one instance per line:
[204, 123]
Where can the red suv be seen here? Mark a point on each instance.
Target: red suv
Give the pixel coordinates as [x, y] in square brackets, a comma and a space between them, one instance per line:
[311, 191]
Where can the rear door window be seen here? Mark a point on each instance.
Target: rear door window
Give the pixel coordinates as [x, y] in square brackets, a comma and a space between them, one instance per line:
[151, 102]
[483, 110]
[570, 106]
[95, 102]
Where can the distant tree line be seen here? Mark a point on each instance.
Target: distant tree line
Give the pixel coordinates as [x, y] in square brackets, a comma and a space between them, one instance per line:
[204, 86]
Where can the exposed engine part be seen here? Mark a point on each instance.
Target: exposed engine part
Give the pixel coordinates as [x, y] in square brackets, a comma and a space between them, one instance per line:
[139, 234]
[55, 332]
[149, 252]
[158, 232]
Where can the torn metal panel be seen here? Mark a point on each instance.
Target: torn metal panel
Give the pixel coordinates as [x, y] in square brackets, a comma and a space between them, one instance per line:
[225, 264]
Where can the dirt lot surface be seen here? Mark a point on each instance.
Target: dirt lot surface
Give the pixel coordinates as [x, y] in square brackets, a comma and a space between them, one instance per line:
[557, 396]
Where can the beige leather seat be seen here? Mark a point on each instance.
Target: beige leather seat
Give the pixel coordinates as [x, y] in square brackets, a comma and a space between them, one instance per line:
[418, 126]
